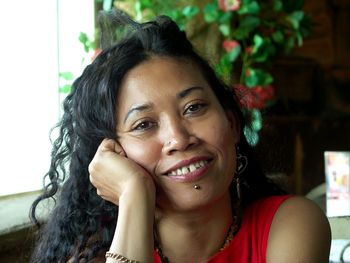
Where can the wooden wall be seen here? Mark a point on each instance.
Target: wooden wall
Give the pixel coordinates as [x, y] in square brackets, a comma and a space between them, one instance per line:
[312, 113]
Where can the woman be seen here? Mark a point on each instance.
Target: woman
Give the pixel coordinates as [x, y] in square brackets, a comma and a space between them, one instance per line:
[159, 168]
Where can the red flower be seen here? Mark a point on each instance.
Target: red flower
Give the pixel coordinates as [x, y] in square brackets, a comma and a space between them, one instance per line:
[228, 45]
[229, 5]
[249, 50]
[254, 98]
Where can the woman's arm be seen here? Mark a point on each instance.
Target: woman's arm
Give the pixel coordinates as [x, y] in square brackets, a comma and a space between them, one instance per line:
[300, 233]
[133, 236]
[126, 184]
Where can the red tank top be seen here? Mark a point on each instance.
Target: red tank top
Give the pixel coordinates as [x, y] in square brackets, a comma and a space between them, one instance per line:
[250, 242]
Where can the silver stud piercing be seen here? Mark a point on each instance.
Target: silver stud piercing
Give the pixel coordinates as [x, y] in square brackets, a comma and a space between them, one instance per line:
[197, 187]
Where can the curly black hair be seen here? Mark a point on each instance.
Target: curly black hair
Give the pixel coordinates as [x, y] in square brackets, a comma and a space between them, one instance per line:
[82, 224]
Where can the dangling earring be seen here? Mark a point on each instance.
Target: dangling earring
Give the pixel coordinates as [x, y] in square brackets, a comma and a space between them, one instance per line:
[242, 162]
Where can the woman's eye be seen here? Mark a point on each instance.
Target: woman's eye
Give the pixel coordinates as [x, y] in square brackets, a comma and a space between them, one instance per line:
[145, 125]
[194, 108]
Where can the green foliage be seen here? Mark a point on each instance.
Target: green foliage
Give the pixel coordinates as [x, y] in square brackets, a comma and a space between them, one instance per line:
[263, 30]
[181, 11]
[87, 43]
[66, 78]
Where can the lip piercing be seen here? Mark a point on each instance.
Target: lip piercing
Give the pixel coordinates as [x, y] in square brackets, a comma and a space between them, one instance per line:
[197, 187]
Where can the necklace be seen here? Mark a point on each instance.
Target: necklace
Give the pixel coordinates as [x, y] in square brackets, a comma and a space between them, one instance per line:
[229, 236]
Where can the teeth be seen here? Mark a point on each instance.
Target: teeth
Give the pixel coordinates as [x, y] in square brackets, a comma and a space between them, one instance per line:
[192, 167]
[189, 168]
[185, 170]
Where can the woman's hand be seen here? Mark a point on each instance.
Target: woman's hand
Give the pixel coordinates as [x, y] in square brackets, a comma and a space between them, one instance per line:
[113, 174]
[123, 182]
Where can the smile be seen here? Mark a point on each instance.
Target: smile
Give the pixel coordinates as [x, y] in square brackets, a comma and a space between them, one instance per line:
[188, 168]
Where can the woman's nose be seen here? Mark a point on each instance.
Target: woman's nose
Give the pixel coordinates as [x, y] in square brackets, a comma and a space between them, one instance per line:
[177, 137]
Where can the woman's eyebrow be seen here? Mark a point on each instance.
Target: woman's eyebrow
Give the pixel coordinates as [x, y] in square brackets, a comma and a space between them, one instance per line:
[187, 91]
[138, 108]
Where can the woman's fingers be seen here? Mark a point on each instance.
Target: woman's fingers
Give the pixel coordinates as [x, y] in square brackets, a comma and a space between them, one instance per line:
[111, 146]
[112, 173]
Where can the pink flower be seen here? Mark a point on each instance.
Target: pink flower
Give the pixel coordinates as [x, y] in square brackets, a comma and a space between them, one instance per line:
[228, 45]
[229, 5]
[254, 98]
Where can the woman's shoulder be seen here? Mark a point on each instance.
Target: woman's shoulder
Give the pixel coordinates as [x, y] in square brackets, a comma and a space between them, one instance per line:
[299, 232]
[264, 208]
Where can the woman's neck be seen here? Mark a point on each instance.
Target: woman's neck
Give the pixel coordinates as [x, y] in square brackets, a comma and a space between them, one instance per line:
[197, 234]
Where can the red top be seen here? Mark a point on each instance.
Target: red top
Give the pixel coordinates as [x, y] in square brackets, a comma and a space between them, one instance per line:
[249, 244]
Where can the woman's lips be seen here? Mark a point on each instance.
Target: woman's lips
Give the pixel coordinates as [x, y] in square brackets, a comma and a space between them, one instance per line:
[190, 172]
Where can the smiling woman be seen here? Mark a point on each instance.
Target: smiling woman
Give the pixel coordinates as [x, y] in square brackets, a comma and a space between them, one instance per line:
[160, 170]
[175, 128]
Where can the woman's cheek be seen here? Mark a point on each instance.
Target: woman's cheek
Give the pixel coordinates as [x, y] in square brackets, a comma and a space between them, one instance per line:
[143, 152]
[221, 134]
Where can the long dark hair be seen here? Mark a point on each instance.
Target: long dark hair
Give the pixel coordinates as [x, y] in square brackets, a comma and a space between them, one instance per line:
[82, 223]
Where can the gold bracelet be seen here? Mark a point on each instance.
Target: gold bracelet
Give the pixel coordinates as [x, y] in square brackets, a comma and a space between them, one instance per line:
[120, 258]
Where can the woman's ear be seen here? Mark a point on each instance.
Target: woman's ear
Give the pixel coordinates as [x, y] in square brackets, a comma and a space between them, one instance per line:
[234, 124]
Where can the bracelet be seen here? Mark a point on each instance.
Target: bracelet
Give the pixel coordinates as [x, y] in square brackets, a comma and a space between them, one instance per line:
[120, 258]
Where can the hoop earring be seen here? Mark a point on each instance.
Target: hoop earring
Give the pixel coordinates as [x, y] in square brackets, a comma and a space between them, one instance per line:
[242, 163]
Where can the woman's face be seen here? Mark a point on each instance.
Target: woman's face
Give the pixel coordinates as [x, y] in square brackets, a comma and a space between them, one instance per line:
[170, 122]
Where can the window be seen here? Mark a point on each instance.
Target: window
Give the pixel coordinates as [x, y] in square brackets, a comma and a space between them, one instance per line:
[39, 39]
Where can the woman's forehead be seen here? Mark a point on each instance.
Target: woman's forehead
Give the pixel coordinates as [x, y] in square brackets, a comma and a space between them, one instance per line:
[161, 75]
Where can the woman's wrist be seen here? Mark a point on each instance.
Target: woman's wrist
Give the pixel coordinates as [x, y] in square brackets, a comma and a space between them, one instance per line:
[139, 190]
[134, 233]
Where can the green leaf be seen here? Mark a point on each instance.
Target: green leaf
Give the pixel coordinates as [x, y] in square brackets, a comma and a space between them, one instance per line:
[84, 39]
[190, 11]
[252, 79]
[145, 4]
[289, 44]
[258, 42]
[295, 18]
[174, 14]
[67, 75]
[250, 22]
[256, 120]
[278, 37]
[258, 77]
[250, 7]
[225, 29]
[299, 38]
[234, 53]
[246, 26]
[224, 67]
[251, 136]
[263, 49]
[225, 17]
[211, 12]
[277, 5]
[65, 88]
